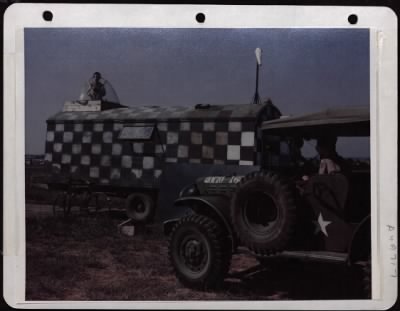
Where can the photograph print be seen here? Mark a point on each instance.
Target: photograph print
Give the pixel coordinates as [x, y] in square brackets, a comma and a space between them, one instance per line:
[197, 164]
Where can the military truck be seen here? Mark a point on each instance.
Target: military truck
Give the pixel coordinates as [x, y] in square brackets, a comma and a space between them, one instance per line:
[286, 209]
[123, 150]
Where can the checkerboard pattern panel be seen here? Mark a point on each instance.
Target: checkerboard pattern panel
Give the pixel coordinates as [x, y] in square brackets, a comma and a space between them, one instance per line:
[209, 142]
[92, 149]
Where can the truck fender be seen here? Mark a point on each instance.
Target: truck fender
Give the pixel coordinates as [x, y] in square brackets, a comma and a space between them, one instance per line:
[216, 207]
[360, 245]
[168, 225]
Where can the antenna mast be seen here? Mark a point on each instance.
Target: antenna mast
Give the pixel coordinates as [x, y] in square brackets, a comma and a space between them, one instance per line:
[256, 98]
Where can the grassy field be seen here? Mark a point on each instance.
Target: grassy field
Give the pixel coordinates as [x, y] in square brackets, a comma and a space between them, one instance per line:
[85, 258]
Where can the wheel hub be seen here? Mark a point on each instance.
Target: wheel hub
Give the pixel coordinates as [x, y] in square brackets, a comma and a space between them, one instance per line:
[194, 254]
[140, 207]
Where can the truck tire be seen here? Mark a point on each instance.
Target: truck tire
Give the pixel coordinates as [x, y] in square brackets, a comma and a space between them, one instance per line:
[140, 207]
[199, 252]
[263, 212]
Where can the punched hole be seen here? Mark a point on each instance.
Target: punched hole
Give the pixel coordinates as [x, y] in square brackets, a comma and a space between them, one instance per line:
[200, 17]
[353, 18]
[47, 16]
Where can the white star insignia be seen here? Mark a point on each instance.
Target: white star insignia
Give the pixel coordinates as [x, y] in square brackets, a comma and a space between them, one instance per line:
[321, 225]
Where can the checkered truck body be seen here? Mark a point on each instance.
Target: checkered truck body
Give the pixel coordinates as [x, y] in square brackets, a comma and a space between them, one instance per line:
[101, 146]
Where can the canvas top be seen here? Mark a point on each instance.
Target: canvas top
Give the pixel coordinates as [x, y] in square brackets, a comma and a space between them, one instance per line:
[170, 113]
[351, 121]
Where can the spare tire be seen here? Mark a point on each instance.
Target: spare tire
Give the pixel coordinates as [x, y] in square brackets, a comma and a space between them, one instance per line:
[263, 212]
[140, 207]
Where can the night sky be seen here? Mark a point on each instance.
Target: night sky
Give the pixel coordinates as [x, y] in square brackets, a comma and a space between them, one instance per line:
[303, 70]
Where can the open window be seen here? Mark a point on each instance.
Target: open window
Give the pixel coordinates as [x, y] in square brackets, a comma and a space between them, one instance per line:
[276, 152]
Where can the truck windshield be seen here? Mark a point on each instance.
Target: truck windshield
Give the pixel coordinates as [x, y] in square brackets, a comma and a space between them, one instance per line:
[347, 147]
[288, 152]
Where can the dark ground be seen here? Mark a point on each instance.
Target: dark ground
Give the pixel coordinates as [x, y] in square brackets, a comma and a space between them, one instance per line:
[83, 257]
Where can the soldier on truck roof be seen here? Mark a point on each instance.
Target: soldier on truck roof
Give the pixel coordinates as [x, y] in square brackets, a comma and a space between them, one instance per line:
[96, 90]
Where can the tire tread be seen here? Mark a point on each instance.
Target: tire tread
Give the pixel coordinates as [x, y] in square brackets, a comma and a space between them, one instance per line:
[219, 244]
[284, 192]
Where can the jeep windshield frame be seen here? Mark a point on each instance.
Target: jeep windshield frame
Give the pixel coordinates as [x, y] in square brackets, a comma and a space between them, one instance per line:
[290, 132]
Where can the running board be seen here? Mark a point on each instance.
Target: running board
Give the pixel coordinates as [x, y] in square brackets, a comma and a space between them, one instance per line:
[316, 255]
[323, 256]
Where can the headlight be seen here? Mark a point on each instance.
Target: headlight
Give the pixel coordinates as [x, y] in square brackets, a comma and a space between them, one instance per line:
[189, 191]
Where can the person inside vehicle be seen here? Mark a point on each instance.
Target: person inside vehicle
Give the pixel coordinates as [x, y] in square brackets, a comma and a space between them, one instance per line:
[330, 162]
[96, 87]
[295, 144]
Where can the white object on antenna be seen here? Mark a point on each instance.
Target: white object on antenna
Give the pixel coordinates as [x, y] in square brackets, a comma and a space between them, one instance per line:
[258, 52]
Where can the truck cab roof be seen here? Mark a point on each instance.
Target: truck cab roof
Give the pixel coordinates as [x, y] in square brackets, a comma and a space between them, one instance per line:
[229, 112]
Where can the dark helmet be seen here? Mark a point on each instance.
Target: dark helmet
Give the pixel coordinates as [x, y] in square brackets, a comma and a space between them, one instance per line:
[97, 75]
[327, 142]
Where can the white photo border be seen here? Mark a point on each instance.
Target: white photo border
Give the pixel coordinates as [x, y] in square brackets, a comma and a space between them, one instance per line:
[382, 23]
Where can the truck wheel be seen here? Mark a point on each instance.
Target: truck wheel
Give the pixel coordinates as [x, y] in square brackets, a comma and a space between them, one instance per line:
[263, 212]
[200, 252]
[140, 207]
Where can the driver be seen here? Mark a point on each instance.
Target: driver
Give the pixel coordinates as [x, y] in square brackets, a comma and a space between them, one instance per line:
[330, 161]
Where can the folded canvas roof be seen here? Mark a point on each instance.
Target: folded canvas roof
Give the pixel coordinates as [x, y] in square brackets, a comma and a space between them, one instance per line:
[352, 121]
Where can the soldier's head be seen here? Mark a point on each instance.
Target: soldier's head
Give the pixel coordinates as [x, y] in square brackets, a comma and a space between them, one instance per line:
[326, 145]
[97, 75]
